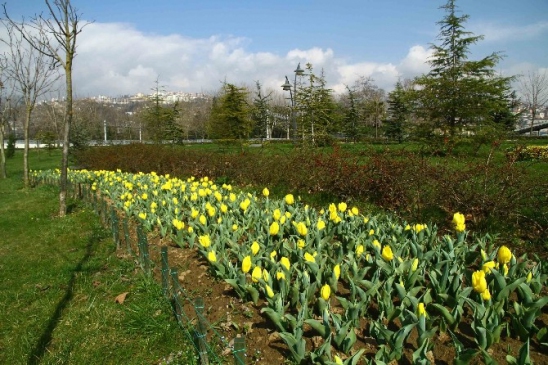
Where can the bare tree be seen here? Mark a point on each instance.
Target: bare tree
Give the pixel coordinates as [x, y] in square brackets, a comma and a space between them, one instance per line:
[4, 109]
[55, 37]
[32, 74]
[534, 91]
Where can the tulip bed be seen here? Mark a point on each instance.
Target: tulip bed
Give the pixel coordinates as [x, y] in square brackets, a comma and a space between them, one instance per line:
[341, 276]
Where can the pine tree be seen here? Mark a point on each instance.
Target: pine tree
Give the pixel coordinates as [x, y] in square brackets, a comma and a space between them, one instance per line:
[398, 113]
[459, 94]
[230, 115]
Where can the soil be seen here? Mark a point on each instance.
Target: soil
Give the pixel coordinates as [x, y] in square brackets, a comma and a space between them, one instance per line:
[231, 318]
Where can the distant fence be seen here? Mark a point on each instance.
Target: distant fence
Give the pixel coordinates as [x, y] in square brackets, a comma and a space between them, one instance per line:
[208, 343]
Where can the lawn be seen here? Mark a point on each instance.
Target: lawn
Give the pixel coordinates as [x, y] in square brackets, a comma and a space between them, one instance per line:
[59, 278]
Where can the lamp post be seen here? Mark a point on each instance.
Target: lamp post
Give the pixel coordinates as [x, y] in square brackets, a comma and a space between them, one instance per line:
[292, 96]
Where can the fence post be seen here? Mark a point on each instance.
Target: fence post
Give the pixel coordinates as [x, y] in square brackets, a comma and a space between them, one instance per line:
[165, 270]
[143, 249]
[114, 221]
[126, 236]
[239, 351]
[201, 331]
[175, 292]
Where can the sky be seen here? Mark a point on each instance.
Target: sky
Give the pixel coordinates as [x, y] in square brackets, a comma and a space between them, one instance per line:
[195, 45]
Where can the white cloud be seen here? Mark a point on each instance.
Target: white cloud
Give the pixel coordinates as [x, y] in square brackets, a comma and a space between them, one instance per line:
[117, 59]
[495, 32]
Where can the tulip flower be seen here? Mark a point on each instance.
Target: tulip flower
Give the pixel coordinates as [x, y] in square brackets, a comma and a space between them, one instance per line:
[376, 244]
[486, 295]
[255, 247]
[415, 264]
[320, 225]
[337, 271]
[478, 281]
[488, 266]
[387, 253]
[211, 256]
[205, 241]
[289, 199]
[276, 214]
[284, 261]
[458, 222]
[280, 275]
[269, 291]
[325, 291]
[529, 277]
[266, 275]
[301, 243]
[203, 220]
[256, 274]
[359, 250]
[421, 310]
[342, 207]
[266, 193]
[274, 228]
[338, 360]
[308, 257]
[504, 255]
[301, 228]
[143, 215]
[355, 211]
[246, 264]
[177, 224]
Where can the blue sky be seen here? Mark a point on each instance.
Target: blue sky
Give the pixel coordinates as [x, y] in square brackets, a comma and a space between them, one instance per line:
[194, 45]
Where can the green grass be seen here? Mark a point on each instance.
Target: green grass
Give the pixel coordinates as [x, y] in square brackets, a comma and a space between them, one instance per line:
[58, 281]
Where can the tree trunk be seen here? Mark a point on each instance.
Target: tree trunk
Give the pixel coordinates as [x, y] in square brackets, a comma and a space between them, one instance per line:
[26, 149]
[3, 174]
[68, 120]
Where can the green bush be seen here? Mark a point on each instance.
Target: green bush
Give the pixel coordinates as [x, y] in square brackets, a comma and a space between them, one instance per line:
[10, 150]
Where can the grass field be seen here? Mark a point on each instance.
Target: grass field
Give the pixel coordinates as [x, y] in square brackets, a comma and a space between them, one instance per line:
[59, 278]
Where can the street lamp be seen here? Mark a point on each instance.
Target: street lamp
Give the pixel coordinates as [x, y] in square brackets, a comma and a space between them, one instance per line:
[292, 96]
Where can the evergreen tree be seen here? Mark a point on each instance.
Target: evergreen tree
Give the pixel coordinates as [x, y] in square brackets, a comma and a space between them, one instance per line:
[351, 116]
[160, 120]
[260, 114]
[317, 110]
[230, 114]
[458, 94]
[398, 113]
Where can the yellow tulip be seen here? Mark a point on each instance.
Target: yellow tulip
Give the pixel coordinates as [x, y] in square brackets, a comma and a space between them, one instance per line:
[289, 199]
[421, 310]
[178, 224]
[224, 208]
[211, 256]
[504, 255]
[203, 220]
[377, 244]
[234, 227]
[337, 271]
[478, 281]
[301, 228]
[359, 250]
[256, 274]
[308, 257]
[301, 243]
[274, 228]
[488, 266]
[338, 360]
[371, 232]
[273, 255]
[320, 225]
[355, 211]
[342, 207]
[458, 222]
[143, 215]
[280, 275]
[205, 241]
[325, 292]
[284, 261]
[529, 277]
[276, 214]
[246, 264]
[269, 291]
[245, 204]
[387, 253]
[415, 264]
[266, 275]
[266, 193]
[486, 295]
[255, 248]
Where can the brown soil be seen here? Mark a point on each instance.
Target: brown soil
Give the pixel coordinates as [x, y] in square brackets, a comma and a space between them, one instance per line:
[230, 317]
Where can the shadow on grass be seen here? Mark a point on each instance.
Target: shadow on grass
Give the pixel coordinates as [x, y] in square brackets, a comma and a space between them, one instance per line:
[44, 341]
